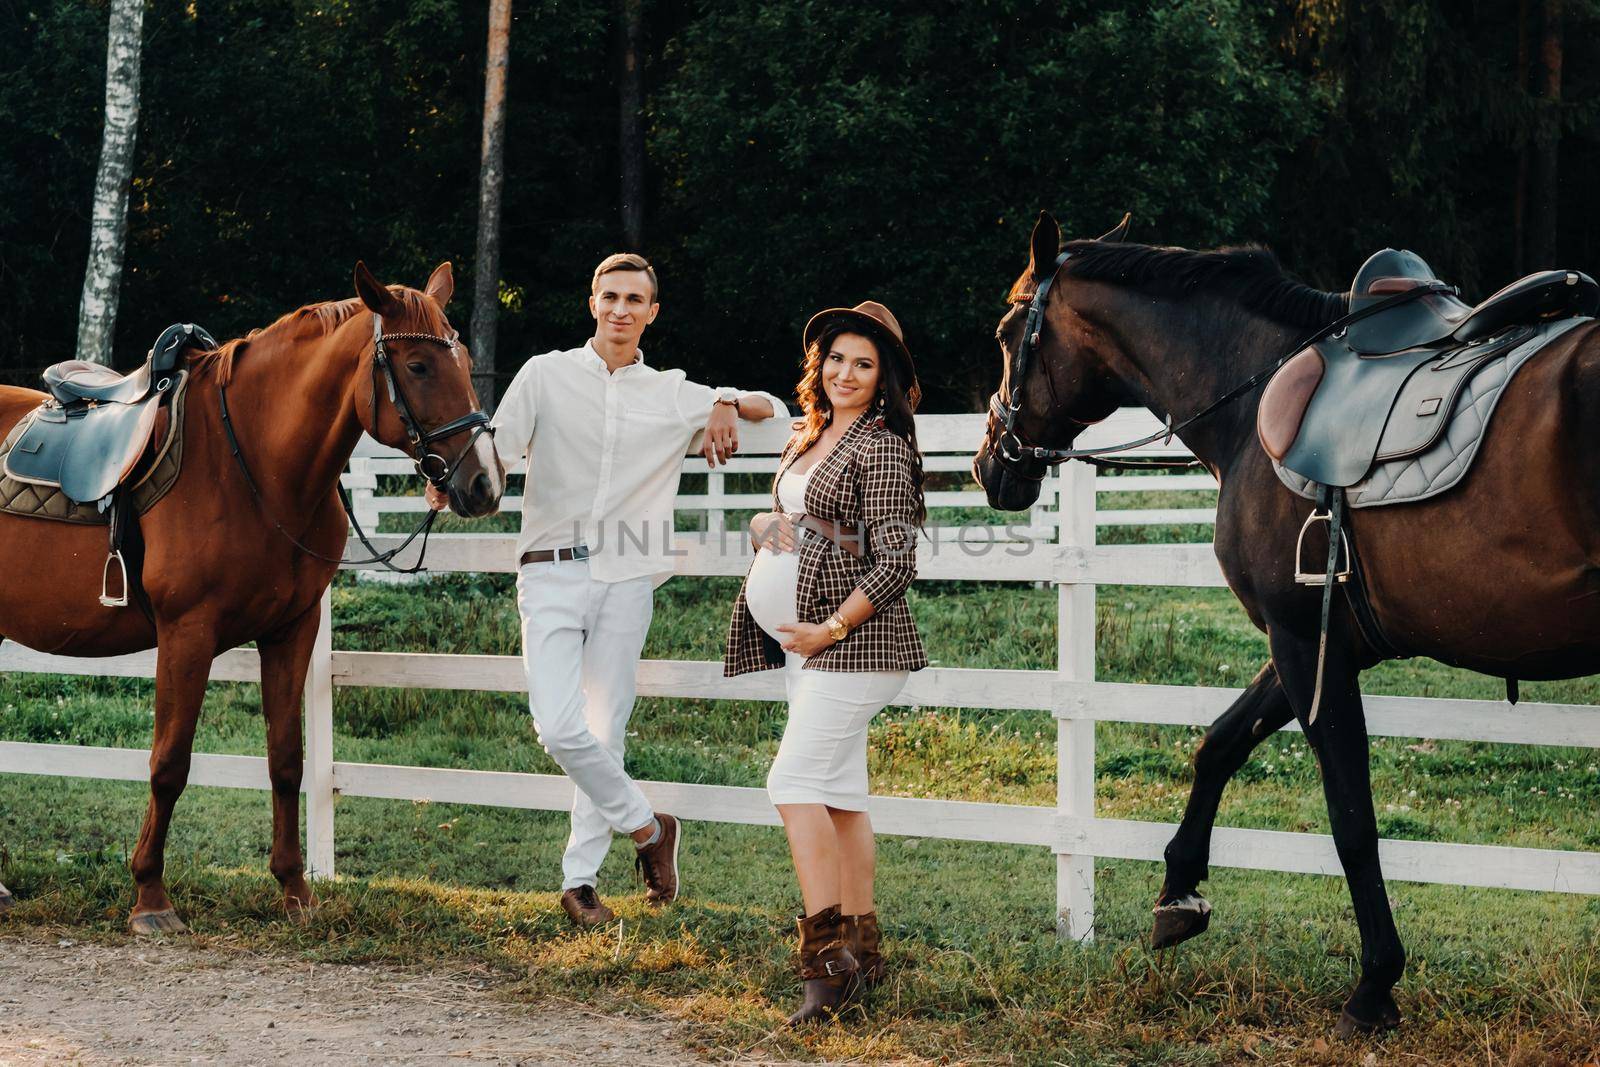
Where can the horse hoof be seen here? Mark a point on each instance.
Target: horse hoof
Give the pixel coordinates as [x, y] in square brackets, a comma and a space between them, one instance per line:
[1350, 1026]
[1180, 920]
[157, 922]
[301, 912]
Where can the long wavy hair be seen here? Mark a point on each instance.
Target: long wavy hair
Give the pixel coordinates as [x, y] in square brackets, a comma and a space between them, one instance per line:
[894, 407]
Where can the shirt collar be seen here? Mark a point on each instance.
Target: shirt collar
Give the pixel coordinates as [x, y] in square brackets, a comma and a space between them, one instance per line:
[638, 357]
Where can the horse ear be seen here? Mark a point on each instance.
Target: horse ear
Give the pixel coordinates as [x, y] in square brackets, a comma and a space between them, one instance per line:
[373, 294]
[441, 283]
[1045, 245]
[1119, 232]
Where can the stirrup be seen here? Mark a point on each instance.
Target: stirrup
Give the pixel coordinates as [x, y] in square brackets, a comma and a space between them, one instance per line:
[106, 599]
[1304, 577]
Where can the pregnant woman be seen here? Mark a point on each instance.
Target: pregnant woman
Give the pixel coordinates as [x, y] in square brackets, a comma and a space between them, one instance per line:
[825, 601]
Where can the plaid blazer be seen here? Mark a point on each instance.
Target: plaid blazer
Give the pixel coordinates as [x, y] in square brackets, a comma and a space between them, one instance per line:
[865, 485]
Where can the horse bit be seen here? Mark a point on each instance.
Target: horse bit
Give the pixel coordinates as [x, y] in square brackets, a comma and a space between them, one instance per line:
[432, 466]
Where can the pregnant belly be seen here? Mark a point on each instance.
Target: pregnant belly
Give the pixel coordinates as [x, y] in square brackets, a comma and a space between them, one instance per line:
[769, 590]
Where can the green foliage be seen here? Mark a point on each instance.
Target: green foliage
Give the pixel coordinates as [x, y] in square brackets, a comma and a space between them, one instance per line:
[900, 150]
[800, 154]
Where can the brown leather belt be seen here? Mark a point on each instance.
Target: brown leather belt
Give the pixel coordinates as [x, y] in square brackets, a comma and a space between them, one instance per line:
[851, 542]
[552, 555]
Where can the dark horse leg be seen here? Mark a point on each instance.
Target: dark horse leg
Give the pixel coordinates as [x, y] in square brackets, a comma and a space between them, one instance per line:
[183, 663]
[1339, 738]
[1262, 709]
[284, 660]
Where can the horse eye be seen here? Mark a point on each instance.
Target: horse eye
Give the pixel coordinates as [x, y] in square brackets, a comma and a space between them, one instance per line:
[419, 369]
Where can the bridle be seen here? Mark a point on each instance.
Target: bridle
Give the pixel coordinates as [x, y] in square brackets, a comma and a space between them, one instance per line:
[419, 438]
[1006, 412]
[477, 421]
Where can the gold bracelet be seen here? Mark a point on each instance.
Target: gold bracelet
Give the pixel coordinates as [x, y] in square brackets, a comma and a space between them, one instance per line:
[838, 628]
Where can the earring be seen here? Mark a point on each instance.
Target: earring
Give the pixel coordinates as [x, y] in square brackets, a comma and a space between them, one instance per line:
[882, 403]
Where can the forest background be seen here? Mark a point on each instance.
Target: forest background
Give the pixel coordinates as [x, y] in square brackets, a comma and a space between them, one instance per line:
[783, 156]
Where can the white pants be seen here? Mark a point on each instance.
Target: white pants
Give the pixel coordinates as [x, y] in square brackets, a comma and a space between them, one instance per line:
[581, 641]
[823, 756]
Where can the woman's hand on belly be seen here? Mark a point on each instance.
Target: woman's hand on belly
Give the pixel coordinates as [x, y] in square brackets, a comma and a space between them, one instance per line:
[774, 530]
[806, 638]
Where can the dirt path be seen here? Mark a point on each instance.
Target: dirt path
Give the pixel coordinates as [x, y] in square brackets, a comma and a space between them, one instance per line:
[65, 1002]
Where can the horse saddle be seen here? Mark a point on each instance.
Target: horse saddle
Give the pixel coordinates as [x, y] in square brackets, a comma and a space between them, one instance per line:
[1384, 387]
[89, 436]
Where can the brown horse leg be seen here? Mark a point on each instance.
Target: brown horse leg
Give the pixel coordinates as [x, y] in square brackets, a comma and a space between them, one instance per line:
[284, 660]
[183, 663]
[1262, 709]
[1339, 738]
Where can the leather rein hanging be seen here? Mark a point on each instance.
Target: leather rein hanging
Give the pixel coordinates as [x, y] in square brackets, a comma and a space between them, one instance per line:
[1006, 412]
[432, 466]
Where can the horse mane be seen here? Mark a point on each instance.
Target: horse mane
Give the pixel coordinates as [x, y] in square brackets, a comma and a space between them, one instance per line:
[1249, 274]
[316, 320]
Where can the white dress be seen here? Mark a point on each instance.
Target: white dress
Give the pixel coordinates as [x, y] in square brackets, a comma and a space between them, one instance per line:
[770, 586]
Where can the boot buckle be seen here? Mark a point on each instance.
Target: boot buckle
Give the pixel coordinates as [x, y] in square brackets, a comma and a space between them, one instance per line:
[834, 968]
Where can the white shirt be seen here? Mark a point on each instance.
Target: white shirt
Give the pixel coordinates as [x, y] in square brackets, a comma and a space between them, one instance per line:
[605, 452]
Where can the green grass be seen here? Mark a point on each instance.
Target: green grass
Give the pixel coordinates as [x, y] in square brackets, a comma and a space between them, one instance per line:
[980, 976]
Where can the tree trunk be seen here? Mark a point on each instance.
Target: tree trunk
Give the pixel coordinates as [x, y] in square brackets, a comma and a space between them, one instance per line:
[108, 227]
[630, 92]
[1543, 220]
[1519, 200]
[491, 179]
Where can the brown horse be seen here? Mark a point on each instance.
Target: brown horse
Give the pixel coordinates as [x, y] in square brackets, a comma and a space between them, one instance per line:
[1173, 331]
[221, 566]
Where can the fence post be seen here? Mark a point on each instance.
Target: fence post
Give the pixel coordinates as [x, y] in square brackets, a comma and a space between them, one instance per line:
[363, 486]
[318, 777]
[715, 516]
[1075, 635]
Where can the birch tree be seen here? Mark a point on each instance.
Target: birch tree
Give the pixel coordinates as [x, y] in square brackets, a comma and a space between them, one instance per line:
[491, 179]
[108, 228]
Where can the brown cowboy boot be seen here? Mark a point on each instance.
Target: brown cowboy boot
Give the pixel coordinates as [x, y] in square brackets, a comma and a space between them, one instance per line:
[827, 969]
[862, 938]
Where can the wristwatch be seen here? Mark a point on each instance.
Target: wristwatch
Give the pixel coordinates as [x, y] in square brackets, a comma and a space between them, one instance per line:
[729, 396]
[838, 629]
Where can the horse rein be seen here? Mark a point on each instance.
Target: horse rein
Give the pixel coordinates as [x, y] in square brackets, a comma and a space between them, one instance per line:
[418, 437]
[1006, 412]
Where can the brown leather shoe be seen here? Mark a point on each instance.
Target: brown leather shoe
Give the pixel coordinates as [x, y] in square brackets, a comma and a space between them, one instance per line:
[827, 969]
[658, 863]
[584, 908]
[862, 938]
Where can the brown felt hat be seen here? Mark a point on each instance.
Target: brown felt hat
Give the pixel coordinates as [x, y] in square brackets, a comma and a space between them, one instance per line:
[875, 321]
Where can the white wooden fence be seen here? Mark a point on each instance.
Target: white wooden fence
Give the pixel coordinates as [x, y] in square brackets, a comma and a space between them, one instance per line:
[1070, 559]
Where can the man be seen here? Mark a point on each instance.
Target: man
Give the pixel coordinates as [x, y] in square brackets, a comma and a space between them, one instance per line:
[604, 435]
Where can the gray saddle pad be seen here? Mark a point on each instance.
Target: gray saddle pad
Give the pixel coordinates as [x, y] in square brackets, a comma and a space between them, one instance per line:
[1422, 453]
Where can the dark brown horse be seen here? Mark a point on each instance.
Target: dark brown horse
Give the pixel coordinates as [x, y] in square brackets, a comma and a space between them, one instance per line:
[1172, 331]
[220, 568]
